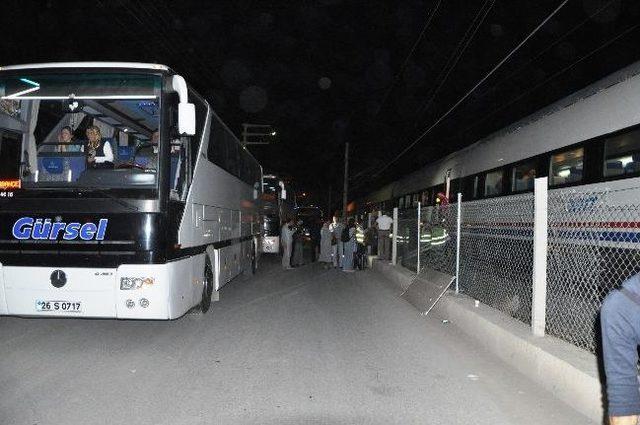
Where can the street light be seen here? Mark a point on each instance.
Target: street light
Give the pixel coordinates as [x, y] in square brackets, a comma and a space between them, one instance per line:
[256, 130]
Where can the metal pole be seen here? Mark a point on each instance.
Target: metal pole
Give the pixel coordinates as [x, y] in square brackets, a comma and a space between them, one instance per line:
[394, 243]
[458, 237]
[418, 265]
[369, 223]
[346, 180]
[329, 212]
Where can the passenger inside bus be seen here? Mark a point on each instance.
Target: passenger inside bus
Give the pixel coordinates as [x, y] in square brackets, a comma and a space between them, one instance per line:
[99, 151]
[66, 142]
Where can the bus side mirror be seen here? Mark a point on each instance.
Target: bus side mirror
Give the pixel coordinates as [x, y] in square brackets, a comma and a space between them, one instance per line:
[186, 110]
[186, 119]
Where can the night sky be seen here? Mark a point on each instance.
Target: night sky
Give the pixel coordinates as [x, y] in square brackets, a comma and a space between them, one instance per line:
[374, 73]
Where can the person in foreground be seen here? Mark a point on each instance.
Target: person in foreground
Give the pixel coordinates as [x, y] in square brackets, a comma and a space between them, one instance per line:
[620, 323]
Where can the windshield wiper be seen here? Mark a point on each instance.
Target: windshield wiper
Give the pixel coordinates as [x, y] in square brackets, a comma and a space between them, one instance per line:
[110, 196]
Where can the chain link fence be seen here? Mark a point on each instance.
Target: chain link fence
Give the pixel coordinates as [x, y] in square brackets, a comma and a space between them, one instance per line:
[438, 238]
[593, 246]
[436, 241]
[593, 243]
[496, 253]
[407, 238]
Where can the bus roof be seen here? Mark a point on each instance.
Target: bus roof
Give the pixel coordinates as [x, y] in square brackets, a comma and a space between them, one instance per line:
[129, 65]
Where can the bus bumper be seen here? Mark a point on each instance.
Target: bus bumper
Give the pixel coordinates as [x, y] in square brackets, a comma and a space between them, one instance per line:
[93, 292]
[271, 244]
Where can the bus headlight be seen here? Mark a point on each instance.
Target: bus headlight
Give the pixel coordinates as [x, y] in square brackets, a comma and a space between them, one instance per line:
[129, 283]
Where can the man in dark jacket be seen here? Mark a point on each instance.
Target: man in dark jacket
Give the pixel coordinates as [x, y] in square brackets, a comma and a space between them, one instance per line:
[620, 322]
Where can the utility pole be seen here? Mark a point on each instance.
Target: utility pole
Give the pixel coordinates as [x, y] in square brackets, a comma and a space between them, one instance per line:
[346, 181]
[329, 212]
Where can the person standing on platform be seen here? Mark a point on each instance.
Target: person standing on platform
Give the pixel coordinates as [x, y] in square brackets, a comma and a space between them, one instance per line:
[325, 244]
[348, 238]
[336, 250]
[286, 240]
[314, 231]
[361, 249]
[297, 258]
[371, 239]
[384, 242]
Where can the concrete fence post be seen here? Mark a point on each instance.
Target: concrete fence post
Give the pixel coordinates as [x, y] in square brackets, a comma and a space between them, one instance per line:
[394, 240]
[540, 223]
[458, 236]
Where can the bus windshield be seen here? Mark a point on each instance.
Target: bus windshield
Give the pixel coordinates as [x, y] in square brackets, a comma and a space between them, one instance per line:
[79, 130]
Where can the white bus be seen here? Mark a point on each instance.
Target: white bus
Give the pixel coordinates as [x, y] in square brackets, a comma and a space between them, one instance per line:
[122, 194]
[278, 204]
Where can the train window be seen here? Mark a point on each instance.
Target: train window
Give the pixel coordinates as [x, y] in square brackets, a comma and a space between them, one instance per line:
[566, 167]
[476, 187]
[424, 198]
[622, 154]
[493, 183]
[454, 188]
[401, 202]
[522, 176]
[407, 201]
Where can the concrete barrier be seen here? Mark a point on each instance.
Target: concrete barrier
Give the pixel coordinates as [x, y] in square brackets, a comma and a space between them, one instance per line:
[570, 373]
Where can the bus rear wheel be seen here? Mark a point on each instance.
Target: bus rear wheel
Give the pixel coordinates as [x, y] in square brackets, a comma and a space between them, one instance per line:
[207, 287]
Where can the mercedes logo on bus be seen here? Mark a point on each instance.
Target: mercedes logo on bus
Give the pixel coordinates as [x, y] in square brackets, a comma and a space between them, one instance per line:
[58, 278]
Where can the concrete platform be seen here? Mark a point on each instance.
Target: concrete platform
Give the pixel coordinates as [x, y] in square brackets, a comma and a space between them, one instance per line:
[570, 373]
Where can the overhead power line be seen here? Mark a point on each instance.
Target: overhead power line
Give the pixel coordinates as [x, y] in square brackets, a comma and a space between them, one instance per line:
[453, 60]
[551, 77]
[547, 48]
[406, 60]
[482, 80]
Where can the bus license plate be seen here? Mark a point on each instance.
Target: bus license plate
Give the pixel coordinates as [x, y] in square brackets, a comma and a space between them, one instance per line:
[63, 306]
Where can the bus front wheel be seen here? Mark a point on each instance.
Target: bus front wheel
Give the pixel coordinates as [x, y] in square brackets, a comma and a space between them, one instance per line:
[207, 287]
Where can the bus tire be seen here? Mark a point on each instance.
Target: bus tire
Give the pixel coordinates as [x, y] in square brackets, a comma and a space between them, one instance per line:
[207, 286]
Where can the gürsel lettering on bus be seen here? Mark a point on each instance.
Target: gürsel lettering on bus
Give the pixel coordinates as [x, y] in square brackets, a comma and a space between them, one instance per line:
[44, 228]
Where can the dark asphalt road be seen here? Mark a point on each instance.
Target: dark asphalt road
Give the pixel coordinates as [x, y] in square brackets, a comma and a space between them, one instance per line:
[307, 346]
